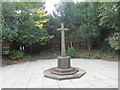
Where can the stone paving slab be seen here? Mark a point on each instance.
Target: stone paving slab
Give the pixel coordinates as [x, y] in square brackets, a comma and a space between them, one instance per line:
[99, 74]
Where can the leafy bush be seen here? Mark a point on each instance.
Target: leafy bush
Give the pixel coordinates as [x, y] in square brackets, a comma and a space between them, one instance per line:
[27, 58]
[106, 48]
[5, 51]
[114, 41]
[110, 55]
[71, 52]
[82, 56]
[51, 50]
[97, 56]
[55, 54]
[44, 53]
[14, 54]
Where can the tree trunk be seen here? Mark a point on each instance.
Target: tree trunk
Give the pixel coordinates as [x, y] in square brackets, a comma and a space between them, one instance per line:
[68, 39]
[89, 44]
[31, 49]
[71, 44]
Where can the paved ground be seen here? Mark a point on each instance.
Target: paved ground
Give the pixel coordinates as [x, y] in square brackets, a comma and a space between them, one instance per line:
[99, 74]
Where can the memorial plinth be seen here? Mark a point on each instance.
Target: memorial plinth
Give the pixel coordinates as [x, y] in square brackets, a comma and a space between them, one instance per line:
[63, 62]
[64, 69]
[48, 73]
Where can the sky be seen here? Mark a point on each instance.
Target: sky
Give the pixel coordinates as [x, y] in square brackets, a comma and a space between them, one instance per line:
[50, 4]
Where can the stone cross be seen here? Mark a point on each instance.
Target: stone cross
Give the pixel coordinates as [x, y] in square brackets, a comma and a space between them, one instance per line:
[64, 69]
[62, 29]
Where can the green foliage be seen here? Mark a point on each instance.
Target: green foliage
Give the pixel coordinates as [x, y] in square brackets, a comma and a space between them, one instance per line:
[44, 53]
[114, 41]
[81, 19]
[55, 54]
[14, 55]
[52, 25]
[25, 22]
[9, 21]
[82, 56]
[64, 13]
[27, 58]
[87, 15]
[109, 15]
[50, 52]
[65, 10]
[86, 53]
[110, 55]
[97, 56]
[71, 52]
[5, 50]
[86, 19]
[108, 51]
[106, 48]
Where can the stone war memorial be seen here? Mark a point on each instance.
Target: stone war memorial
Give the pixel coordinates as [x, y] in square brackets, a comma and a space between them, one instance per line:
[59, 44]
[64, 70]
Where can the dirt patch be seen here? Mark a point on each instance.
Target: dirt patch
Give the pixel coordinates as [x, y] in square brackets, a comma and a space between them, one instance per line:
[54, 55]
[7, 61]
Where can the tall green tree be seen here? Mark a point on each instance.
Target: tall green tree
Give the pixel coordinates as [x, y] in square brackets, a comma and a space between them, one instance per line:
[87, 21]
[24, 22]
[109, 15]
[52, 26]
[109, 19]
[65, 13]
[9, 22]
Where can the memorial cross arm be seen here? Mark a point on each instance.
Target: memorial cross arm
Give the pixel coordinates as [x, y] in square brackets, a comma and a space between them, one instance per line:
[62, 28]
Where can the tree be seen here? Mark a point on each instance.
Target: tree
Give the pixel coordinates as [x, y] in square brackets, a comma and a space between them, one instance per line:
[109, 18]
[65, 13]
[109, 15]
[9, 21]
[32, 30]
[86, 21]
[114, 41]
[25, 23]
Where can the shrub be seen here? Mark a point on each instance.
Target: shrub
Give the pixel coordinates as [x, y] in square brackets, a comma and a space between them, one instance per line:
[114, 41]
[109, 55]
[5, 51]
[44, 53]
[82, 55]
[106, 48]
[51, 50]
[27, 58]
[14, 54]
[97, 56]
[55, 54]
[108, 51]
[71, 52]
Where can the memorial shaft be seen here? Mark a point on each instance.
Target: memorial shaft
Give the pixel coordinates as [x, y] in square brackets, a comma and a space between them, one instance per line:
[62, 29]
[63, 53]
